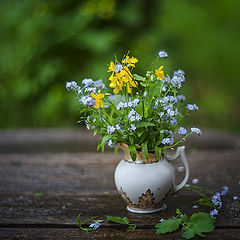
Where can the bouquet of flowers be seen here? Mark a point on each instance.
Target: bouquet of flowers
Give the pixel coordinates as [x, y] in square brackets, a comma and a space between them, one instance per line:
[144, 112]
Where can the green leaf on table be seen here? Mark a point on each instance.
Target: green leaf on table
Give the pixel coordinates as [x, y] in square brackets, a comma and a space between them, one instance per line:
[201, 222]
[145, 149]
[188, 233]
[38, 194]
[183, 219]
[205, 201]
[166, 226]
[86, 229]
[123, 221]
[178, 212]
[119, 220]
[131, 227]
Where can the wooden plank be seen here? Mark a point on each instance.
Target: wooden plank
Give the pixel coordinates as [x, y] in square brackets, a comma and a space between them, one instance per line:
[74, 183]
[81, 140]
[93, 172]
[63, 209]
[106, 233]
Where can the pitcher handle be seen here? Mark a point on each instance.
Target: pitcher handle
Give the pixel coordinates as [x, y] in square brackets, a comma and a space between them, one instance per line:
[180, 152]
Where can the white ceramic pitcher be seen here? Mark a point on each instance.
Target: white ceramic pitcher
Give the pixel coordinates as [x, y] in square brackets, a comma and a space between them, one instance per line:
[146, 183]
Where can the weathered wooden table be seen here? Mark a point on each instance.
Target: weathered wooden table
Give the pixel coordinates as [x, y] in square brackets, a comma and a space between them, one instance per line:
[48, 177]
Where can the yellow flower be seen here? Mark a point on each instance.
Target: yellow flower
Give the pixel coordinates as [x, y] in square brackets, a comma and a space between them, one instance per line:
[116, 83]
[131, 61]
[122, 78]
[129, 77]
[98, 98]
[160, 73]
[111, 67]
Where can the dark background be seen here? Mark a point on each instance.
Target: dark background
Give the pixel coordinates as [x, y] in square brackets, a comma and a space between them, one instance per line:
[43, 44]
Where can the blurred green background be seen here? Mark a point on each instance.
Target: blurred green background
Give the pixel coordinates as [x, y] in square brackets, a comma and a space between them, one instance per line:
[43, 44]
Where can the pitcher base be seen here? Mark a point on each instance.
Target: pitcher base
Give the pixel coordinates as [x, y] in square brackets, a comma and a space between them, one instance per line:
[135, 210]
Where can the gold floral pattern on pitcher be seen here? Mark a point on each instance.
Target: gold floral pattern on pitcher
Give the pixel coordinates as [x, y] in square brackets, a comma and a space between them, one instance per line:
[146, 201]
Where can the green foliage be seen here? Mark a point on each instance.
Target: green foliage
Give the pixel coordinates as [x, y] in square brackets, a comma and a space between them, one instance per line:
[38, 194]
[205, 194]
[166, 226]
[197, 224]
[145, 118]
[43, 44]
[123, 221]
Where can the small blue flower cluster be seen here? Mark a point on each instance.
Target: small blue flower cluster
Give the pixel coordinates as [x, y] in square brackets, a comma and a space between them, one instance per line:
[71, 86]
[224, 190]
[217, 202]
[181, 98]
[90, 89]
[89, 86]
[87, 123]
[95, 225]
[176, 81]
[88, 82]
[162, 54]
[196, 130]
[179, 73]
[173, 121]
[87, 100]
[118, 68]
[167, 141]
[132, 127]
[182, 131]
[172, 113]
[165, 101]
[110, 129]
[118, 127]
[111, 144]
[192, 107]
[99, 84]
[128, 103]
[133, 116]
[214, 213]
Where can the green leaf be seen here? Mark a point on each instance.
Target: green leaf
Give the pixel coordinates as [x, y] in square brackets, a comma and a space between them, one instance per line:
[133, 152]
[188, 234]
[184, 219]
[145, 124]
[205, 201]
[104, 139]
[119, 220]
[140, 133]
[178, 212]
[166, 226]
[201, 222]
[131, 227]
[158, 153]
[143, 84]
[138, 77]
[38, 194]
[145, 149]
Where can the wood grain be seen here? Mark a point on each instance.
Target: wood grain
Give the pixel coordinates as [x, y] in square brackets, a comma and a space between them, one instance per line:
[106, 233]
[82, 182]
[93, 172]
[81, 140]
